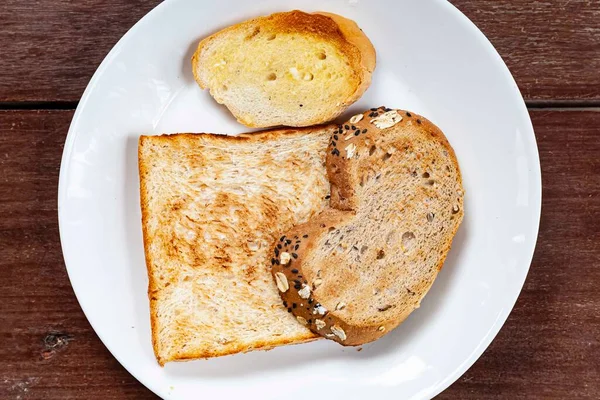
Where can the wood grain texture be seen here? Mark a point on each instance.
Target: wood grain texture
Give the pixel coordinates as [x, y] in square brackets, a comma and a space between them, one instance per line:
[548, 349]
[551, 47]
[47, 348]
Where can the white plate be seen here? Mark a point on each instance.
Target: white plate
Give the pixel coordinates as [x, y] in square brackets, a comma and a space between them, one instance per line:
[432, 60]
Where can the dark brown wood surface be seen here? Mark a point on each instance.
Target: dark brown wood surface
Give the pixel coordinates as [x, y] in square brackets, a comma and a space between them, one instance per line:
[550, 345]
[552, 47]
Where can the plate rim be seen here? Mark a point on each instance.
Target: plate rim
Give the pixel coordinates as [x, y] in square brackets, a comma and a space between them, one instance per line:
[535, 186]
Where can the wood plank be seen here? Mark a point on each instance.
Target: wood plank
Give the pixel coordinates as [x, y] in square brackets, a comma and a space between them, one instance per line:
[48, 349]
[552, 47]
[548, 349]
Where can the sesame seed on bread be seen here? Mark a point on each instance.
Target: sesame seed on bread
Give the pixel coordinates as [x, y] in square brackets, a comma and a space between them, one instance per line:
[357, 270]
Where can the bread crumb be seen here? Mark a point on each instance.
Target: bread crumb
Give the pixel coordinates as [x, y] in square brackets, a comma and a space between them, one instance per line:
[356, 118]
[339, 332]
[282, 282]
[350, 150]
[304, 292]
[387, 119]
[285, 258]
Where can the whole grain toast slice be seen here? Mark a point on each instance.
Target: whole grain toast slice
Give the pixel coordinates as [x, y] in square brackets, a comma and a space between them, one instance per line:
[290, 68]
[211, 207]
[363, 265]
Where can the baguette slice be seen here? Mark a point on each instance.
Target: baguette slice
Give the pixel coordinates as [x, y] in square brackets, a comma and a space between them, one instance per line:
[364, 264]
[211, 207]
[289, 68]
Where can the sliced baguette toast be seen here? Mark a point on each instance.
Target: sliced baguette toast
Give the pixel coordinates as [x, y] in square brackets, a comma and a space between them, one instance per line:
[211, 207]
[290, 68]
[363, 265]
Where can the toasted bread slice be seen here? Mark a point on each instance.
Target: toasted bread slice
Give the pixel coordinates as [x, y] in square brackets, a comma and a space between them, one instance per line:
[290, 68]
[364, 265]
[211, 207]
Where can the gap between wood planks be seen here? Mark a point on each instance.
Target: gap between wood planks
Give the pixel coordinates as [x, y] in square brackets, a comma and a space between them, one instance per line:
[553, 105]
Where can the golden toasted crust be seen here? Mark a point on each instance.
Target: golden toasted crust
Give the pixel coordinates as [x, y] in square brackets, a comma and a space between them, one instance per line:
[354, 35]
[170, 167]
[341, 32]
[322, 274]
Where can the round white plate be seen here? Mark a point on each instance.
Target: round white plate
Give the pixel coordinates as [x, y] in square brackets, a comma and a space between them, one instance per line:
[430, 59]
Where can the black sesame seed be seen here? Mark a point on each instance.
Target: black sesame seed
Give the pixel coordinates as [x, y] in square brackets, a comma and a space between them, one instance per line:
[279, 246]
[327, 198]
[295, 236]
[305, 236]
[335, 152]
[294, 255]
[333, 143]
[356, 133]
[418, 121]
[272, 261]
[364, 131]
[301, 105]
[373, 109]
[353, 127]
[310, 301]
[408, 114]
[276, 262]
[294, 271]
[335, 137]
[388, 109]
[285, 303]
[296, 247]
[294, 305]
[281, 238]
[289, 309]
[288, 241]
[296, 281]
[373, 114]
[297, 286]
[310, 321]
[347, 127]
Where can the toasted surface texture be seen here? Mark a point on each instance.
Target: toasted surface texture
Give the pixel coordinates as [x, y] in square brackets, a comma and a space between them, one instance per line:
[211, 207]
[290, 68]
[396, 203]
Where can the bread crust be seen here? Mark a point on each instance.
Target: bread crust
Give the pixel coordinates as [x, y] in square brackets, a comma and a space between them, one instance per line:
[344, 33]
[344, 203]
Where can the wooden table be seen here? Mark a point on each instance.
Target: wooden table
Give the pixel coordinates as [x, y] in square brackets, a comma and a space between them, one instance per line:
[548, 349]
